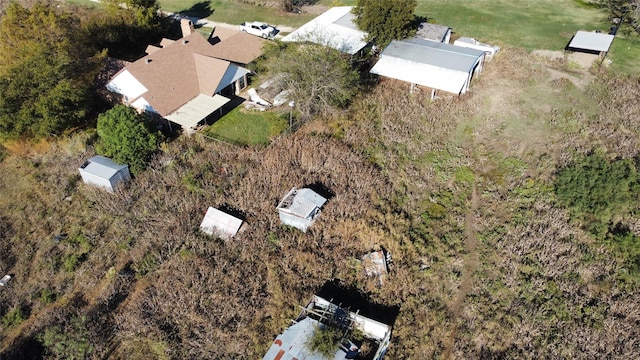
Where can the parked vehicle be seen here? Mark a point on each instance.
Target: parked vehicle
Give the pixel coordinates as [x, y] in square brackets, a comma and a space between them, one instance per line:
[258, 29]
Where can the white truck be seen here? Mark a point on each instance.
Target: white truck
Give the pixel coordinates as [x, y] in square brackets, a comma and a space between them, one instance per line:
[258, 29]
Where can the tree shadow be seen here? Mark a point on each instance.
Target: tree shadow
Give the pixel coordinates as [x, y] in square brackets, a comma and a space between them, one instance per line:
[26, 348]
[199, 10]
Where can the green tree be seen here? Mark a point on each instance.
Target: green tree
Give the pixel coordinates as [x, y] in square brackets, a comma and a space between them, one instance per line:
[45, 72]
[146, 13]
[126, 137]
[386, 20]
[71, 343]
[320, 79]
[627, 12]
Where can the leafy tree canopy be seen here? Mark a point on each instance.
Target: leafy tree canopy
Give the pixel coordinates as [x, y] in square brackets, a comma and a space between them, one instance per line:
[626, 11]
[126, 138]
[144, 12]
[72, 342]
[45, 72]
[320, 78]
[386, 20]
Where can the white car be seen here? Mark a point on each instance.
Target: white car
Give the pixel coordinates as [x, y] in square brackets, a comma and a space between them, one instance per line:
[258, 29]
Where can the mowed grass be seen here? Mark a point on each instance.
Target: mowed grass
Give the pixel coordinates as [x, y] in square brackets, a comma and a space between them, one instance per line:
[542, 24]
[624, 55]
[247, 127]
[233, 12]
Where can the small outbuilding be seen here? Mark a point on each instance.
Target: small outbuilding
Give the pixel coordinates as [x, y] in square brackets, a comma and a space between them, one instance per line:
[489, 50]
[220, 224]
[300, 208]
[434, 32]
[335, 28]
[103, 172]
[591, 42]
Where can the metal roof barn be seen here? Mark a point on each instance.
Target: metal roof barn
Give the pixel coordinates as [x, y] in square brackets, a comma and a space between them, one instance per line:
[103, 172]
[219, 223]
[591, 41]
[435, 65]
[335, 28]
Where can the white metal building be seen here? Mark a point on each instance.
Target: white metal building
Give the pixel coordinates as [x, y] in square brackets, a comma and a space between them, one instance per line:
[103, 172]
[335, 28]
[219, 223]
[300, 208]
[435, 65]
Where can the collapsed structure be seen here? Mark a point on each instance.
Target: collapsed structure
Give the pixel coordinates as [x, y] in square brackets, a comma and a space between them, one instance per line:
[362, 337]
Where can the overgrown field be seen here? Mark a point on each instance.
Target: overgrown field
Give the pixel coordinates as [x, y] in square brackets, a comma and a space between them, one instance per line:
[511, 214]
[488, 263]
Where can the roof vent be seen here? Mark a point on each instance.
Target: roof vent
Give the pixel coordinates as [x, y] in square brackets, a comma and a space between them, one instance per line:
[185, 42]
[146, 61]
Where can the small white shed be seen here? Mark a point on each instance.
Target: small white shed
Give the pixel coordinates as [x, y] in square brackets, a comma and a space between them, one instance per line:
[591, 42]
[300, 208]
[221, 224]
[103, 172]
[434, 32]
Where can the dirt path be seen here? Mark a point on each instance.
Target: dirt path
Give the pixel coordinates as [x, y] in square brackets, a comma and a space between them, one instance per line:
[470, 264]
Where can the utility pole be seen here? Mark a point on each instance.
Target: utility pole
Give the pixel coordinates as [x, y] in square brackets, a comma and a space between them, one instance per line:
[291, 105]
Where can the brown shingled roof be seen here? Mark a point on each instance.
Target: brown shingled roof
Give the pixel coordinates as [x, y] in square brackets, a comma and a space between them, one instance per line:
[240, 48]
[178, 73]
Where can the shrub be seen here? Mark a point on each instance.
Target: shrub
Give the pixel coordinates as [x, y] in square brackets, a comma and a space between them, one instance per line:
[13, 317]
[126, 138]
[596, 189]
[325, 340]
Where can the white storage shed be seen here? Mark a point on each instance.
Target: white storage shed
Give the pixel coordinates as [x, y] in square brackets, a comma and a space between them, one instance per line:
[221, 224]
[103, 172]
[300, 208]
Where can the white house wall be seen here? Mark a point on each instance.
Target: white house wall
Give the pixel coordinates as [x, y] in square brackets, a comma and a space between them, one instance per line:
[142, 105]
[452, 81]
[127, 85]
[233, 74]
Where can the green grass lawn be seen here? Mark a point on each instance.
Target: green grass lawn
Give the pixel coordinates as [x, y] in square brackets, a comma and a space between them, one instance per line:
[624, 54]
[233, 12]
[542, 24]
[247, 127]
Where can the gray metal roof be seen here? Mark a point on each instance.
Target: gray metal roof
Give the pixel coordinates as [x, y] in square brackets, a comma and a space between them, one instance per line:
[102, 167]
[301, 202]
[334, 28]
[348, 21]
[195, 110]
[432, 31]
[432, 53]
[592, 41]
